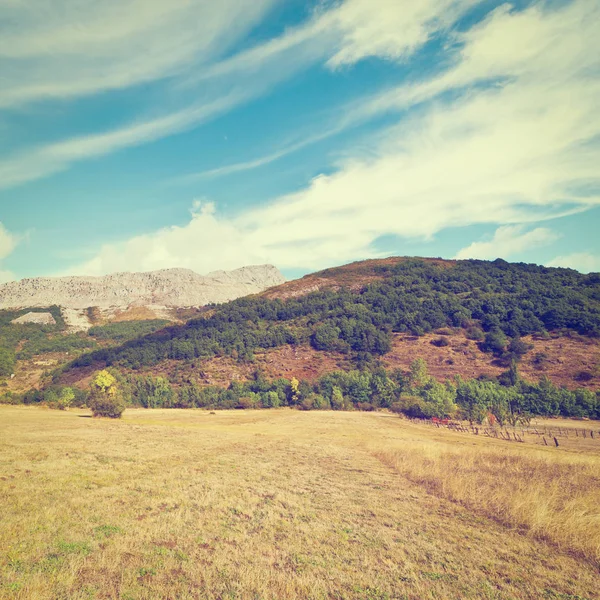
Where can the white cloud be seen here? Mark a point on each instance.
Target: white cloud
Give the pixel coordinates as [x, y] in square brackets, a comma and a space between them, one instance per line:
[390, 29]
[517, 152]
[507, 241]
[8, 242]
[69, 48]
[262, 161]
[585, 262]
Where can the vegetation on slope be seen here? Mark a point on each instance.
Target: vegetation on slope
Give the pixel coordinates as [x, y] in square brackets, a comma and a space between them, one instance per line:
[23, 341]
[415, 393]
[497, 302]
[122, 331]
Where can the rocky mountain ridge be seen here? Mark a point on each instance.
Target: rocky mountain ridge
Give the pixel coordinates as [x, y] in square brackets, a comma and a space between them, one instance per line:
[166, 287]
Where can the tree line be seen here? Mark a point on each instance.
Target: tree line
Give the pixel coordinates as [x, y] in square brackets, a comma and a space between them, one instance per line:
[414, 393]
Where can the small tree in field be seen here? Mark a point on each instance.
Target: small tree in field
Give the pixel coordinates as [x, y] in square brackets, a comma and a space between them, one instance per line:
[65, 398]
[106, 399]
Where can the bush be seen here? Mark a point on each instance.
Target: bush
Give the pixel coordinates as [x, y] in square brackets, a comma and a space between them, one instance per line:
[540, 360]
[106, 399]
[495, 342]
[246, 402]
[107, 406]
[413, 406]
[475, 333]
[440, 342]
[583, 376]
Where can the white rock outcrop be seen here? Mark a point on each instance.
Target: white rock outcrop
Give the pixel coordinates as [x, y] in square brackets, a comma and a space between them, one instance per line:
[167, 287]
[39, 318]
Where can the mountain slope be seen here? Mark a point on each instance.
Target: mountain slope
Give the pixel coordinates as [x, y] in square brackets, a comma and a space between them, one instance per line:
[367, 306]
[168, 287]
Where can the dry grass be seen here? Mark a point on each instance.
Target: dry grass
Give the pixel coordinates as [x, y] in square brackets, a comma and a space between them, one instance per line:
[276, 504]
[552, 494]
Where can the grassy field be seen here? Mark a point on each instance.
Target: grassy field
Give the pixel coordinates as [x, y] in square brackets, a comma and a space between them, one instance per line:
[286, 504]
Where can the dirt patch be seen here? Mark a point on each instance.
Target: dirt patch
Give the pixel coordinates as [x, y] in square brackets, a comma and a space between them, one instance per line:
[29, 373]
[354, 276]
[562, 359]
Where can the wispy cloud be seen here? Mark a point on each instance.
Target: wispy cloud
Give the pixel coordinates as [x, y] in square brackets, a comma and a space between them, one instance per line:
[507, 241]
[55, 157]
[68, 48]
[262, 161]
[61, 49]
[515, 152]
[390, 30]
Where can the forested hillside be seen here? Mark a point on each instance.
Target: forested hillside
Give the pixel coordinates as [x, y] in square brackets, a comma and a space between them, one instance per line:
[360, 316]
[495, 303]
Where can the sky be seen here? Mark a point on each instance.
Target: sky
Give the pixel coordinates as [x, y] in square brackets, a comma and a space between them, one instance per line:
[141, 134]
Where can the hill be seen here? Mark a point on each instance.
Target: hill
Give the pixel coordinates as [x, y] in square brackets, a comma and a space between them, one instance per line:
[350, 336]
[167, 287]
[494, 304]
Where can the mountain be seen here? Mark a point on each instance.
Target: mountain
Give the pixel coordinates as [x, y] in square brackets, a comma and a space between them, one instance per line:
[467, 318]
[346, 337]
[167, 287]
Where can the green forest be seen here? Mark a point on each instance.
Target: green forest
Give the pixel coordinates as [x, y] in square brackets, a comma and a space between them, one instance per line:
[496, 303]
[414, 393]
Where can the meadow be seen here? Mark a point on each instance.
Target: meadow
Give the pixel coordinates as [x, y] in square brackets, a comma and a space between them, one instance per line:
[278, 504]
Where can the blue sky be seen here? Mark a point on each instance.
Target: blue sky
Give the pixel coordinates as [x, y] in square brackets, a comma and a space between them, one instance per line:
[139, 134]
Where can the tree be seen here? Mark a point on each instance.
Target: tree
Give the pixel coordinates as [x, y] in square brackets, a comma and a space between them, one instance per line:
[65, 398]
[294, 391]
[338, 400]
[495, 342]
[326, 337]
[270, 400]
[473, 397]
[7, 362]
[106, 399]
[419, 374]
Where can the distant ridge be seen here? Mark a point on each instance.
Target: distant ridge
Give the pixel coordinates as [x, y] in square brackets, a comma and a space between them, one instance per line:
[166, 287]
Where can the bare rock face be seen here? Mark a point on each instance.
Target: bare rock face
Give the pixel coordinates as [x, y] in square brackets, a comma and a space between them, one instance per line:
[167, 287]
[39, 318]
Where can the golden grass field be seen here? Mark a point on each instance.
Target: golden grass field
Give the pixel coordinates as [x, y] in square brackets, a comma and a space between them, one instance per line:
[285, 504]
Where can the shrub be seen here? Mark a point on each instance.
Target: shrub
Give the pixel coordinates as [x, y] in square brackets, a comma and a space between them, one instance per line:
[412, 406]
[495, 342]
[540, 360]
[583, 376]
[246, 402]
[475, 333]
[65, 399]
[107, 406]
[440, 342]
[106, 399]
